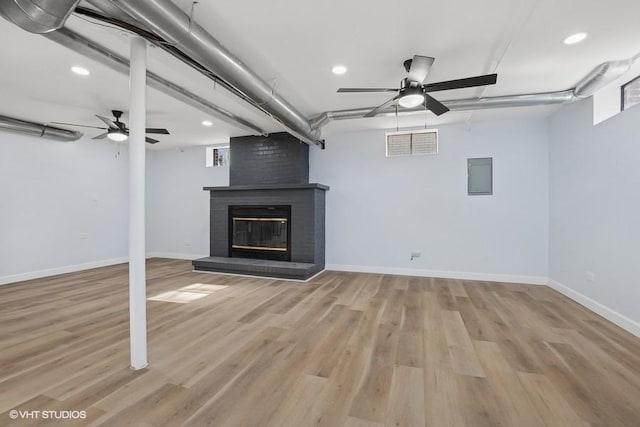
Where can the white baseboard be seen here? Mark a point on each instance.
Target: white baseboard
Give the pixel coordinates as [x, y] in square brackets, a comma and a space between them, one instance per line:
[509, 278]
[611, 315]
[60, 270]
[174, 255]
[21, 277]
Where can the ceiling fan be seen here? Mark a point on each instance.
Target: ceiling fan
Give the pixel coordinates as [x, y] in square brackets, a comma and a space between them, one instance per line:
[413, 91]
[117, 130]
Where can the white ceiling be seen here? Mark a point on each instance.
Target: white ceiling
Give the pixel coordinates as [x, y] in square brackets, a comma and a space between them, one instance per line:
[293, 44]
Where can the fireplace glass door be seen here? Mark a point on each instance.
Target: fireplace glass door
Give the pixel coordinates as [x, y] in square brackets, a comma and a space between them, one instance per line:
[260, 232]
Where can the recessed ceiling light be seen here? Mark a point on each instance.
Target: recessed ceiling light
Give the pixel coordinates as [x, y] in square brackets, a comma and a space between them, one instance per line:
[339, 69]
[207, 123]
[575, 38]
[81, 71]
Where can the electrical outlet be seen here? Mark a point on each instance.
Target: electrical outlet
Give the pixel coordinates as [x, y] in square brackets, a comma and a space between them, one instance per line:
[591, 277]
[84, 236]
[187, 243]
[415, 255]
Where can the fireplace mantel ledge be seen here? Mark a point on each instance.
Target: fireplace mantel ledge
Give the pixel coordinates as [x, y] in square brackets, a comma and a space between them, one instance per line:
[269, 187]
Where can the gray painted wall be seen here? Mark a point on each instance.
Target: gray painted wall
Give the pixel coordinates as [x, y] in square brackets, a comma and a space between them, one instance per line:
[594, 206]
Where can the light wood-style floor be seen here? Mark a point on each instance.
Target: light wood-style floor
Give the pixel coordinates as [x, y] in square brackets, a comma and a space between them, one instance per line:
[345, 349]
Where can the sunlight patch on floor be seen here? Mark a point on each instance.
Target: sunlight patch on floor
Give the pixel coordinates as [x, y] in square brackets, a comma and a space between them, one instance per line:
[187, 293]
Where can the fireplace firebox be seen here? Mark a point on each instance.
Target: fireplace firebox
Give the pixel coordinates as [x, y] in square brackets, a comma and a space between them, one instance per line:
[261, 232]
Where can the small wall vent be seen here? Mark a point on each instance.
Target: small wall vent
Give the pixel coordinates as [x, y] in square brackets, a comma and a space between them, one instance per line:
[410, 143]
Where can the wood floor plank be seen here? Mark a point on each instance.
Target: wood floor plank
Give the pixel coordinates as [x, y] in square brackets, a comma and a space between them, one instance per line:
[549, 403]
[293, 410]
[512, 397]
[443, 403]
[461, 350]
[344, 349]
[371, 401]
[406, 400]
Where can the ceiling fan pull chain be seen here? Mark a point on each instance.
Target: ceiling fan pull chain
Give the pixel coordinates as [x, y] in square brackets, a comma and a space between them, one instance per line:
[397, 128]
[426, 111]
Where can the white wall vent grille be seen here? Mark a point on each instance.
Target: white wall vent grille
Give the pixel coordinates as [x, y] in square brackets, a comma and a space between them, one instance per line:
[408, 143]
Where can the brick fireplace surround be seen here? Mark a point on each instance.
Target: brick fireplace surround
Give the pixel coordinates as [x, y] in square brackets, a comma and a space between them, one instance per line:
[269, 171]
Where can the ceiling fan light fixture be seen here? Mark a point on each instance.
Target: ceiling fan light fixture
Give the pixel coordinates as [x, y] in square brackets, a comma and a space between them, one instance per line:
[411, 97]
[116, 135]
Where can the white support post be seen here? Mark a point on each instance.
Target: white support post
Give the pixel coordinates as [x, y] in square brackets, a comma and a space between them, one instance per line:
[137, 273]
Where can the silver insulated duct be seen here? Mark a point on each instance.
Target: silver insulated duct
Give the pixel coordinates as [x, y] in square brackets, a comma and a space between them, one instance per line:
[168, 21]
[602, 75]
[24, 127]
[37, 16]
[599, 77]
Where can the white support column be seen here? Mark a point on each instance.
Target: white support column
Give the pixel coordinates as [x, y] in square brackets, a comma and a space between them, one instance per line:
[137, 273]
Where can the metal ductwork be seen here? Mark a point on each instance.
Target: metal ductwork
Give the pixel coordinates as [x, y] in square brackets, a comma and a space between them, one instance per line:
[196, 47]
[602, 75]
[24, 127]
[80, 44]
[467, 104]
[599, 77]
[168, 21]
[38, 16]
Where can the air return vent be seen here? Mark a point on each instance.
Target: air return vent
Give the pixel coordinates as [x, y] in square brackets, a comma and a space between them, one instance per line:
[409, 143]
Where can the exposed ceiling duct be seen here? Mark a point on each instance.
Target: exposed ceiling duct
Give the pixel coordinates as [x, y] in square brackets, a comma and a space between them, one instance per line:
[24, 127]
[599, 77]
[38, 16]
[602, 75]
[467, 104]
[191, 43]
[82, 45]
[168, 21]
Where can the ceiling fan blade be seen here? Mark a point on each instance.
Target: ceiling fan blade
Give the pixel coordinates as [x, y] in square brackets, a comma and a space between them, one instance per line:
[420, 66]
[382, 107]
[365, 89]
[108, 122]
[151, 140]
[158, 131]
[73, 124]
[434, 105]
[488, 79]
[101, 136]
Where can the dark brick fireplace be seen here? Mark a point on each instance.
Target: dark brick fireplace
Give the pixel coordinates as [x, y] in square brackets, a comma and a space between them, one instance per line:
[280, 216]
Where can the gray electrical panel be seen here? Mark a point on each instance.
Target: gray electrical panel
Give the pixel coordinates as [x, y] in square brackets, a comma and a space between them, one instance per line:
[480, 176]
